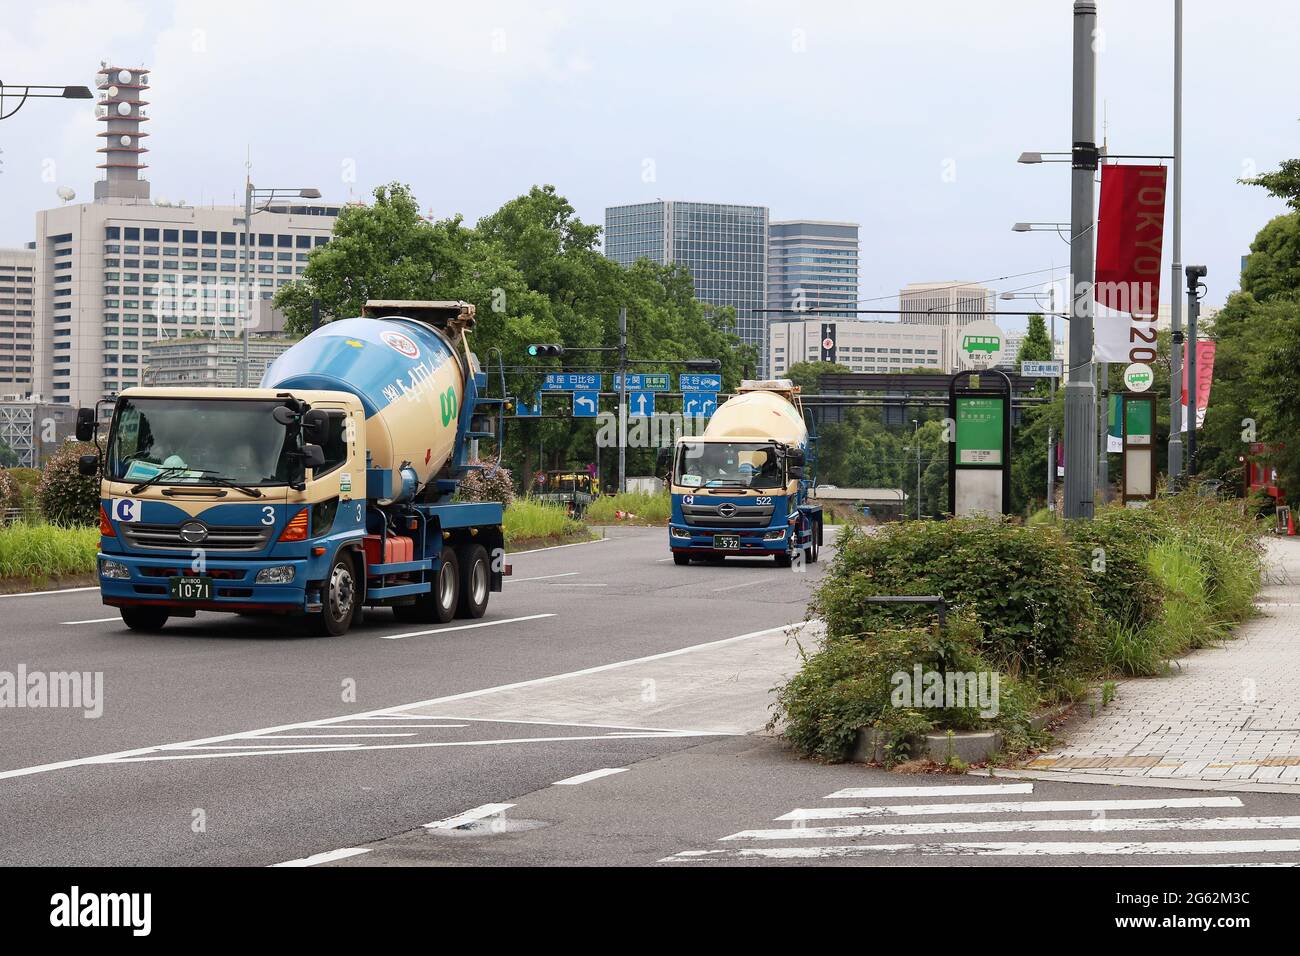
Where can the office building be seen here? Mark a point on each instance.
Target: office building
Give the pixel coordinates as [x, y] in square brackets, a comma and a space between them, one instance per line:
[812, 265]
[33, 430]
[117, 273]
[208, 361]
[723, 246]
[949, 304]
[17, 321]
[859, 346]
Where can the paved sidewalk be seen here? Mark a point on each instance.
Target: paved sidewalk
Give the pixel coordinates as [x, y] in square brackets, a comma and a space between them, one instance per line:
[1228, 713]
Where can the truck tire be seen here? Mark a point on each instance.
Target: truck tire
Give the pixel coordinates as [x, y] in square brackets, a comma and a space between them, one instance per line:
[475, 580]
[811, 552]
[439, 605]
[338, 598]
[680, 558]
[144, 618]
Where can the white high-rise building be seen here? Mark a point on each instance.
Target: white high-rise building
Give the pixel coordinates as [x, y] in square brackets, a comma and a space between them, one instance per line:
[949, 304]
[859, 346]
[17, 321]
[114, 274]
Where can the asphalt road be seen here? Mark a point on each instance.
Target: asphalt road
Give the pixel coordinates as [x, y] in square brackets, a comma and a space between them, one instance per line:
[116, 790]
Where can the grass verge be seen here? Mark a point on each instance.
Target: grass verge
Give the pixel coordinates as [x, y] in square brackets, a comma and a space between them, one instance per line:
[649, 509]
[35, 553]
[529, 523]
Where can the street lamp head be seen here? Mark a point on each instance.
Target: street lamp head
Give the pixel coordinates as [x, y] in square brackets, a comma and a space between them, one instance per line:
[1021, 227]
[77, 93]
[1030, 158]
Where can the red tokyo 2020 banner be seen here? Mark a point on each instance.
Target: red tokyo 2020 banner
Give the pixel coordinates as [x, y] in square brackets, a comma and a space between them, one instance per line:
[1130, 233]
[1205, 349]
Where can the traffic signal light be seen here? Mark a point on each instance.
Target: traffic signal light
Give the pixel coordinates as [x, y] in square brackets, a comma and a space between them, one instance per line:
[703, 365]
[545, 351]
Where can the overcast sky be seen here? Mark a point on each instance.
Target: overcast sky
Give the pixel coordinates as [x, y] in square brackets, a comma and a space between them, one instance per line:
[906, 117]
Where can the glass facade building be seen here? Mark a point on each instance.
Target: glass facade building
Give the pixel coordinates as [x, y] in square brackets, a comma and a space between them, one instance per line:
[812, 265]
[723, 246]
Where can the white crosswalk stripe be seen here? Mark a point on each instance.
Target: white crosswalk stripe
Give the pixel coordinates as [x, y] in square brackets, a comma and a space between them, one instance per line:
[1088, 836]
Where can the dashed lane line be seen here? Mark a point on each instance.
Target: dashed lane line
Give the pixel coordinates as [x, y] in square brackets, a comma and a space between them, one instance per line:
[589, 775]
[461, 627]
[469, 816]
[328, 857]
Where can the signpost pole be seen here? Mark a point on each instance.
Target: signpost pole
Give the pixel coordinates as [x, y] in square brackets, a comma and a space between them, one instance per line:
[622, 400]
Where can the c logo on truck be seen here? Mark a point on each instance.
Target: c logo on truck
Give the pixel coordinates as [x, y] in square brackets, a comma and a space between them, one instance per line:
[192, 532]
[401, 343]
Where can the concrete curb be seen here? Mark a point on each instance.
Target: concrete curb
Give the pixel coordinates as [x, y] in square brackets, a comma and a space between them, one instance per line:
[968, 746]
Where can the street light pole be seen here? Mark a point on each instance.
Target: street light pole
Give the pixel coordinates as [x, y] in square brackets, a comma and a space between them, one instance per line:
[916, 440]
[1176, 305]
[1194, 275]
[246, 294]
[1080, 390]
[622, 400]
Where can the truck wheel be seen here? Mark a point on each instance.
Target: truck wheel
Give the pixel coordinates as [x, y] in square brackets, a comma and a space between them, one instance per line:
[680, 558]
[475, 580]
[810, 553]
[338, 599]
[144, 618]
[439, 605]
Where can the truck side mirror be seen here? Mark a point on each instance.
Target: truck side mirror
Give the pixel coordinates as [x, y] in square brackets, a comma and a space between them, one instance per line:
[795, 471]
[88, 465]
[85, 424]
[313, 456]
[795, 456]
[315, 426]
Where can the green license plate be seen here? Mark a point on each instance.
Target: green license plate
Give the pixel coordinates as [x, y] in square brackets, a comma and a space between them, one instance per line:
[726, 542]
[190, 589]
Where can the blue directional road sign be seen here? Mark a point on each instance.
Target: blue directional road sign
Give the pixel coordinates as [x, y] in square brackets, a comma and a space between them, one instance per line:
[699, 404]
[701, 383]
[524, 410]
[649, 382]
[571, 381]
[641, 404]
[585, 404]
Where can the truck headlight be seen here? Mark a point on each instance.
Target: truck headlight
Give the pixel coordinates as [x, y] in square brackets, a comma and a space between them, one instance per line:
[774, 535]
[681, 533]
[114, 569]
[279, 574]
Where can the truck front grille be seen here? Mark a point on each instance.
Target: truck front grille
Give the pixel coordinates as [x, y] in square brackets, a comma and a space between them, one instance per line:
[167, 537]
[745, 516]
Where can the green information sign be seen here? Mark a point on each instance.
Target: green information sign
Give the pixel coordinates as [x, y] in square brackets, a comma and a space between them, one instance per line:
[1137, 418]
[979, 431]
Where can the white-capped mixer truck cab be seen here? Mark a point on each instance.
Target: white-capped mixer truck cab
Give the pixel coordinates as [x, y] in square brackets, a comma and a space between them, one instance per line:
[326, 489]
[739, 489]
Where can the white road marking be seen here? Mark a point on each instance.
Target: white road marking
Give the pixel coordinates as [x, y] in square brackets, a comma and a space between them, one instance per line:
[746, 584]
[378, 726]
[575, 584]
[1025, 806]
[559, 723]
[861, 793]
[95, 620]
[589, 775]
[326, 736]
[462, 627]
[305, 748]
[556, 547]
[1097, 824]
[469, 816]
[542, 577]
[206, 751]
[327, 857]
[41, 593]
[999, 849]
[148, 753]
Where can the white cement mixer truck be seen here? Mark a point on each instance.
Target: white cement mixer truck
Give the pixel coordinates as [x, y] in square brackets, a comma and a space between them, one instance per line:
[739, 490]
[326, 489]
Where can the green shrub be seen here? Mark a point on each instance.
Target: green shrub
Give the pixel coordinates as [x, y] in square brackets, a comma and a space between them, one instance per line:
[39, 551]
[1136, 651]
[530, 521]
[649, 509]
[1188, 618]
[66, 497]
[1113, 549]
[11, 495]
[492, 482]
[851, 684]
[1025, 586]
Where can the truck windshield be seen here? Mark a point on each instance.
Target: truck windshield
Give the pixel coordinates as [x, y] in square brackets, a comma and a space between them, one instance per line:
[727, 464]
[198, 440]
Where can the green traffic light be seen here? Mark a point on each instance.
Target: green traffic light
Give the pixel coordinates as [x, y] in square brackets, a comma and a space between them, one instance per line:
[532, 351]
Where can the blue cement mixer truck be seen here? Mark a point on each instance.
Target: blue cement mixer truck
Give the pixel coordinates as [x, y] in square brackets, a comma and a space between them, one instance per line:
[325, 490]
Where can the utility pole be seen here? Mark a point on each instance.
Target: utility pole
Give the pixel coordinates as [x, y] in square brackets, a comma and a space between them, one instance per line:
[916, 440]
[1080, 390]
[1176, 305]
[1051, 390]
[622, 400]
[1194, 274]
[246, 294]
